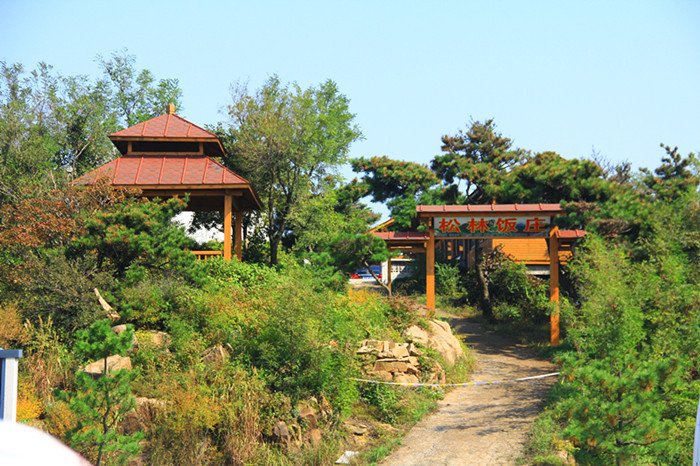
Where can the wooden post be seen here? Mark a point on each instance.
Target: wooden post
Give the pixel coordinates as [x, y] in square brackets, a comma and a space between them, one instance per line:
[554, 285]
[228, 209]
[388, 274]
[239, 235]
[8, 384]
[430, 267]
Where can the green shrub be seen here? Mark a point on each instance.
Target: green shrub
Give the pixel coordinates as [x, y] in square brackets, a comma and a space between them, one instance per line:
[448, 279]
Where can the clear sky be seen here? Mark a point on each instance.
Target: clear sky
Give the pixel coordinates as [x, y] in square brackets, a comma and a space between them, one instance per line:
[617, 77]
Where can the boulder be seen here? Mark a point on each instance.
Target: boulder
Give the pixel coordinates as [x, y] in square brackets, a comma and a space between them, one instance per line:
[313, 437]
[114, 362]
[143, 416]
[400, 351]
[281, 432]
[405, 378]
[119, 329]
[308, 415]
[325, 406]
[381, 375]
[391, 365]
[156, 338]
[214, 355]
[439, 338]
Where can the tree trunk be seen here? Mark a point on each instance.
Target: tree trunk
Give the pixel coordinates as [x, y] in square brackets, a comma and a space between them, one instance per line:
[485, 298]
[388, 290]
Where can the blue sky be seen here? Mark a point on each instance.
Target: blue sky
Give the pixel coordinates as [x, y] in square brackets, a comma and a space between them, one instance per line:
[617, 77]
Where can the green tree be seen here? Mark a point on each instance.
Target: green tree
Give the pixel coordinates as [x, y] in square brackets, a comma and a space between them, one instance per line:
[351, 251]
[288, 142]
[136, 95]
[480, 158]
[101, 403]
[138, 237]
[676, 177]
[402, 185]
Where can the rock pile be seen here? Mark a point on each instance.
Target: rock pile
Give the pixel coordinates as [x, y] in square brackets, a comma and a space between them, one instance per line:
[405, 362]
[398, 362]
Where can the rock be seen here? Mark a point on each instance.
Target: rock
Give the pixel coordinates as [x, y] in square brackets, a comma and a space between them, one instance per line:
[411, 369]
[444, 342]
[158, 339]
[373, 344]
[214, 355]
[313, 436]
[417, 335]
[405, 378]
[413, 350]
[309, 416]
[119, 329]
[439, 338]
[400, 351]
[114, 362]
[390, 365]
[143, 416]
[346, 457]
[281, 432]
[325, 407]
[381, 375]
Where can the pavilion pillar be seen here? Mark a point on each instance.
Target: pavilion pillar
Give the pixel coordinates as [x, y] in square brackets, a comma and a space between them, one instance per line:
[430, 267]
[239, 235]
[228, 212]
[554, 285]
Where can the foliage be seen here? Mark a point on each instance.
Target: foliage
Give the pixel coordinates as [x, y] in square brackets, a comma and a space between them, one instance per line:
[634, 332]
[479, 157]
[136, 96]
[448, 279]
[399, 184]
[137, 238]
[101, 403]
[288, 142]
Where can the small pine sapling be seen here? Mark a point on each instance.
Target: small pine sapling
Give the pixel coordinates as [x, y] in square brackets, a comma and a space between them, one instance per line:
[101, 403]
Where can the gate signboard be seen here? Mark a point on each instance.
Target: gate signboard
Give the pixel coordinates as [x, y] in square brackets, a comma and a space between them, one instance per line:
[492, 221]
[482, 226]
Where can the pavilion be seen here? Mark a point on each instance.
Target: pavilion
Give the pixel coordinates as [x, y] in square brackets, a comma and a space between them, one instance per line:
[169, 156]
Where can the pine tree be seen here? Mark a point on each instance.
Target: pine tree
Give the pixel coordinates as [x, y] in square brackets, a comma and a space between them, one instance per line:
[101, 403]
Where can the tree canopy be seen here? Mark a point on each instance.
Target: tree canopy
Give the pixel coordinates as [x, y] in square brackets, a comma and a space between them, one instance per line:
[288, 142]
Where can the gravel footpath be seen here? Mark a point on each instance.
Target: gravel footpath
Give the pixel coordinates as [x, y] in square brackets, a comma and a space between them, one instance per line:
[482, 424]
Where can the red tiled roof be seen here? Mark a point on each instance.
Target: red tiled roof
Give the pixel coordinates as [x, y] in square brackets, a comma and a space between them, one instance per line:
[165, 126]
[401, 235]
[153, 170]
[496, 208]
[570, 234]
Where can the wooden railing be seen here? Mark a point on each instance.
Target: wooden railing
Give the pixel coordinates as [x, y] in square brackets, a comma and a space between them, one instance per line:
[204, 255]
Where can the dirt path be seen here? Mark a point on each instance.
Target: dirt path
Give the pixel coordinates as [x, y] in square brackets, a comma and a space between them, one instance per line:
[482, 425]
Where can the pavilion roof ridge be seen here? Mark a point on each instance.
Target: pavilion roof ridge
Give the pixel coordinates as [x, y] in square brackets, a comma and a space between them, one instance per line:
[168, 125]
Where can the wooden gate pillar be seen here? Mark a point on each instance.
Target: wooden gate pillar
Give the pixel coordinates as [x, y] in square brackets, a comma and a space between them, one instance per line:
[554, 285]
[430, 267]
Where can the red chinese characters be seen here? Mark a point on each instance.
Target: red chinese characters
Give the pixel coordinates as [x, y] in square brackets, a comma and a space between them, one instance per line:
[507, 225]
[535, 225]
[449, 226]
[481, 226]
